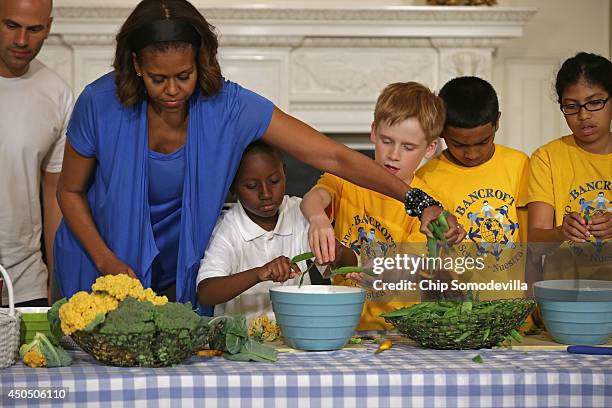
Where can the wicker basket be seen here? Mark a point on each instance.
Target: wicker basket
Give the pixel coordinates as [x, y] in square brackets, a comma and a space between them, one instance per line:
[10, 320]
[145, 349]
[437, 332]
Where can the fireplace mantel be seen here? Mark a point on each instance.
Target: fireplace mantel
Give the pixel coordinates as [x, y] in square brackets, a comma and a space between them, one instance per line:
[324, 65]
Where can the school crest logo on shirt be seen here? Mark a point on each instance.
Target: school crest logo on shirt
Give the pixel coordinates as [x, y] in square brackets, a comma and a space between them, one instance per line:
[589, 200]
[492, 230]
[368, 237]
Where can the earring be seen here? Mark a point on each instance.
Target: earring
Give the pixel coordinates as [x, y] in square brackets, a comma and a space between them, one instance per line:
[138, 74]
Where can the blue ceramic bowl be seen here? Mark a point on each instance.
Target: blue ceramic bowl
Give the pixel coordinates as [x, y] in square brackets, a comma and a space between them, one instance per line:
[317, 317]
[576, 311]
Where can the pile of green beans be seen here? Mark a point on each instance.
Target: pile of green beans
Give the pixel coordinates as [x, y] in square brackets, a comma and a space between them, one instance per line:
[462, 322]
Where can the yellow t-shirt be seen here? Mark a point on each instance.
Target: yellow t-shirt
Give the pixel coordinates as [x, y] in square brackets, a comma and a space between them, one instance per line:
[373, 225]
[489, 202]
[571, 179]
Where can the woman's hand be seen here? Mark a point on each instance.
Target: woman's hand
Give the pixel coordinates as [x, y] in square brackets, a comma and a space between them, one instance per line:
[574, 227]
[455, 233]
[278, 270]
[600, 226]
[111, 265]
[322, 239]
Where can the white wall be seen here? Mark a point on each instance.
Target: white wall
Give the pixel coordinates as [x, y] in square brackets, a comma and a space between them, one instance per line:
[524, 68]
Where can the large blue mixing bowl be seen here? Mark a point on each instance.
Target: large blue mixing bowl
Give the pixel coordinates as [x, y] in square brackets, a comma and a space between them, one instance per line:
[576, 311]
[317, 317]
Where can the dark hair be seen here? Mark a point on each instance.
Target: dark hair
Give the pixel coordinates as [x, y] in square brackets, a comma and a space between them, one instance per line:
[470, 102]
[259, 146]
[130, 89]
[593, 68]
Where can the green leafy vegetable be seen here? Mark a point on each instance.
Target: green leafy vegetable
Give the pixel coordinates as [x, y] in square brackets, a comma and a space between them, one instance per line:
[53, 355]
[477, 359]
[230, 334]
[54, 321]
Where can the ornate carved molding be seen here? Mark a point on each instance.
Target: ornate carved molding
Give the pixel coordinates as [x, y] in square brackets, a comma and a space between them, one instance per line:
[356, 75]
[325, 42]
[299, 41]
[86, 39]
[401, 13]
[467, 42]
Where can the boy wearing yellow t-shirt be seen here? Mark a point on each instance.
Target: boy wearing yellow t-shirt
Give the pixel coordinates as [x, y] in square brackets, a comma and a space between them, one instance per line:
[484, 184]
[408, 119]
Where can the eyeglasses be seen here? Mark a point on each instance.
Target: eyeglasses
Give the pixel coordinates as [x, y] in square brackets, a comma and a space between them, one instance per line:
[591, 106]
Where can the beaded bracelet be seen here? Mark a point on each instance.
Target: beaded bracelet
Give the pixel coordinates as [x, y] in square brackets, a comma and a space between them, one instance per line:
[417, 200]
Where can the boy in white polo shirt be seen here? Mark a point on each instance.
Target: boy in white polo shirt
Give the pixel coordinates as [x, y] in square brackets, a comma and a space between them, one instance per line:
[253, 242]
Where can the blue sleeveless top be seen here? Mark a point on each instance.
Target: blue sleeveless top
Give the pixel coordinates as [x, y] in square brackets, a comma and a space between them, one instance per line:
[166, 180]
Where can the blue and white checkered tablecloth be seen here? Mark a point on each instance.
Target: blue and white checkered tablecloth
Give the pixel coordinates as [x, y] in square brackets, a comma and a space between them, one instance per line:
[404, 376]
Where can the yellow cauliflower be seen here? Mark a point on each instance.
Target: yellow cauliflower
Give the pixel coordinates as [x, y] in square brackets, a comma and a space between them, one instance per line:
[264, 329]
[122, 286]
[34, 359]
[82, 309]
[118, 286]
[151, 296]
[108, 292]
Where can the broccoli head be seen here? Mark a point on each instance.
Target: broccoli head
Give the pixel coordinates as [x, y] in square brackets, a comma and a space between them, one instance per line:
[131, 317]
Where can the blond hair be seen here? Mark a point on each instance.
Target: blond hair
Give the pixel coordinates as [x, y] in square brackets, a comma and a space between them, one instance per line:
[404, 100]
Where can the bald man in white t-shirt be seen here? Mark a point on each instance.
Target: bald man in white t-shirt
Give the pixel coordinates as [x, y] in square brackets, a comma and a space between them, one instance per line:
[35, 105]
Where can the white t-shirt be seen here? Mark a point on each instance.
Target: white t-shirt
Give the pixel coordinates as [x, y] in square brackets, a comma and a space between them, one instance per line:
[34, 113]
[238, 244]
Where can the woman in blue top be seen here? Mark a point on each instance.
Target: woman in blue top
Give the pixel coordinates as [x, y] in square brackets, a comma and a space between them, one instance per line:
[153, 147]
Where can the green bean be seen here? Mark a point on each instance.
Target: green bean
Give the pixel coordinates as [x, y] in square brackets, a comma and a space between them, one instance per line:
[486, 334]
[304, 274]
[463, 336]
[432, 247]
[345, 270]
[302, 257]
[466, 307]
[442, 222]
[516, 336]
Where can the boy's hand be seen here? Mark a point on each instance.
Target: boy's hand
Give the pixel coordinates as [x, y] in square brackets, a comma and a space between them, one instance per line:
[455, 233]
[574, 227]
[600, 226]
[322, 239]
[278, 270]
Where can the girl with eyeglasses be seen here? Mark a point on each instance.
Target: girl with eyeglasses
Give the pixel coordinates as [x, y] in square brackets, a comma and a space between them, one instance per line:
[570, 184]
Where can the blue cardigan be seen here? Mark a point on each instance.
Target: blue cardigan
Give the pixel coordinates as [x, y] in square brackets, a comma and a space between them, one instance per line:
[220, 127]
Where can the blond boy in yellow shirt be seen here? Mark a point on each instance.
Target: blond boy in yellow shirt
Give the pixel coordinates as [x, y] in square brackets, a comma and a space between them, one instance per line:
[408, 119]
[484, 183]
